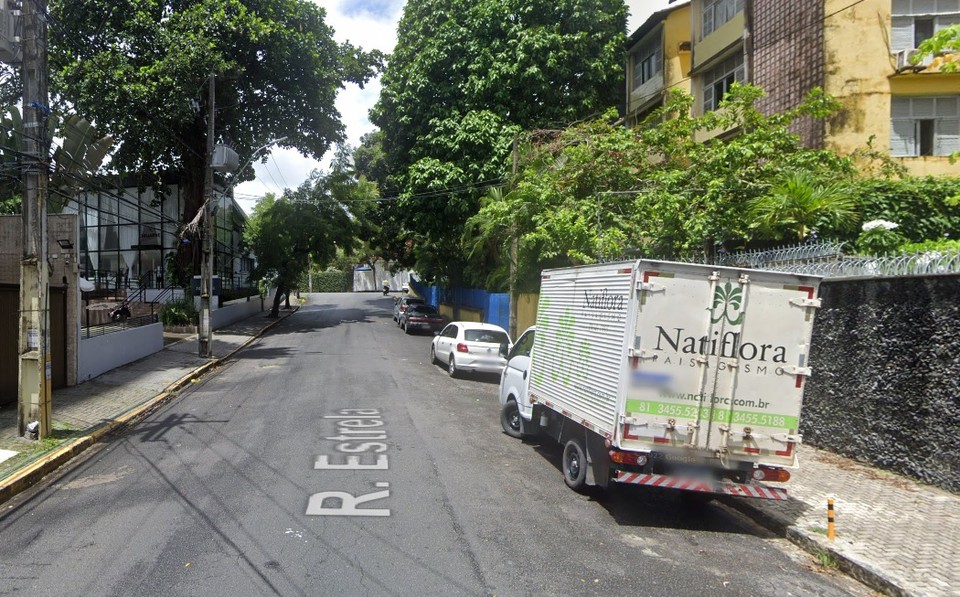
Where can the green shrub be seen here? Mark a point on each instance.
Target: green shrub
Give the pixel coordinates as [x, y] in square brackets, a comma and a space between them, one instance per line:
[923, 208]
[333, 280]
[943, 245]
[179, 312]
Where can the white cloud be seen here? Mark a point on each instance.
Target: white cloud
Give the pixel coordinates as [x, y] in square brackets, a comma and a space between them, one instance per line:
[369, 24]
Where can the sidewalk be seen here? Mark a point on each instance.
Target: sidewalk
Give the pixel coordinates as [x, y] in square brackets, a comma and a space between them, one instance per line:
[83, 413]
[893, 534]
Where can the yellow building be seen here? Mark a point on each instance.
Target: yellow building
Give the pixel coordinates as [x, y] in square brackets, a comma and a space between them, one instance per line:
[912, 112]
[658, 61]
[858, 52]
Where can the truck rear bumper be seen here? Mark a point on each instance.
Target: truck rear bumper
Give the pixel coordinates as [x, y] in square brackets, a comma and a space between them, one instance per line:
[701, 485]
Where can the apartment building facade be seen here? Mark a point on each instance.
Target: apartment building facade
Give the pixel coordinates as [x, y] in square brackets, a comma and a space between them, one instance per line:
[858, 52]
[658, 61]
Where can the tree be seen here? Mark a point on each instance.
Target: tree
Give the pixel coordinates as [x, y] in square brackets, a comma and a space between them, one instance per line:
[285, 233]
[598, 189]
[943, 48]
[138, 68]
[79, 157]
[801, 204]
[466, 76]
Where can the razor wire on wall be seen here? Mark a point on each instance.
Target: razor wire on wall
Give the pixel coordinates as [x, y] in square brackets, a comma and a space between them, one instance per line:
[826, 259]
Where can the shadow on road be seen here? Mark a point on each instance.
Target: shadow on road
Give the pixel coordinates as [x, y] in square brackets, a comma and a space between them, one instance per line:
[635, 506]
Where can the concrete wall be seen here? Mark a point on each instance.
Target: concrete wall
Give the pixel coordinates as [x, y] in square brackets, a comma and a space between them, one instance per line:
[234, 311]
[861, 74]
[886, 389]
[526, 311]
[100, 354]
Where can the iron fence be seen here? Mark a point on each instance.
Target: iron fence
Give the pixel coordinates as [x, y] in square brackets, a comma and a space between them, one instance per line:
[110, 327]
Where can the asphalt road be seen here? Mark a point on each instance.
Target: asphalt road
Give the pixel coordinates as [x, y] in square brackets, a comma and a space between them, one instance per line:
[219, 493]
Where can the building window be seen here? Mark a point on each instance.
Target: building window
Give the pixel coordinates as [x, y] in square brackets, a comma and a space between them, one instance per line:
[924, 126]
[914, 21]
[718, 12]
[717, 81]
[648, 63]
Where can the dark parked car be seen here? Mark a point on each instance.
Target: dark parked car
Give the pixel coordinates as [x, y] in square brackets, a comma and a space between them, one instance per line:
[421, 317]
[401, 305]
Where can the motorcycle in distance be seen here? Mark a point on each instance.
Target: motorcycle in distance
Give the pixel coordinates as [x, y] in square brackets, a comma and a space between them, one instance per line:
[386, 288]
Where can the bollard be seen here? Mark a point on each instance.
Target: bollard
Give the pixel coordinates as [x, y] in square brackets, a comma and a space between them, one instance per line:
[831, 529]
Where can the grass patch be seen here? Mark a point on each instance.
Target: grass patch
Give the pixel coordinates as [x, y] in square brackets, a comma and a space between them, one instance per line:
[825, 559]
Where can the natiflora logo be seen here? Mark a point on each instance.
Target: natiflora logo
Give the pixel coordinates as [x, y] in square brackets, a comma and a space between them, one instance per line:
[729, 345]
[603, 300]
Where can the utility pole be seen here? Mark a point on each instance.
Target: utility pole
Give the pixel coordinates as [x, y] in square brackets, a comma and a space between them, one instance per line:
[34, 398]
[205, 333]
[513, 252]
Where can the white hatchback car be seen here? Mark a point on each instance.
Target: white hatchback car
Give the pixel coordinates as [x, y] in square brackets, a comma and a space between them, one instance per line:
[469, 346]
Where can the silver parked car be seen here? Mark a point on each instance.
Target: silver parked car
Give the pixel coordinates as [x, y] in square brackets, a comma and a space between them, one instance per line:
[470, 346]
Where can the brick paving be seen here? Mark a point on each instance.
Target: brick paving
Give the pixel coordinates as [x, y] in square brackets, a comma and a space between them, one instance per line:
[891, 526]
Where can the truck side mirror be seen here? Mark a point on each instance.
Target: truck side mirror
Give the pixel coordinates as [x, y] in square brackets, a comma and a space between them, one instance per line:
[504, 350]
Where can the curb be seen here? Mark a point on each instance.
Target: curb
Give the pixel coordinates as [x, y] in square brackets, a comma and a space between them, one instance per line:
[816, 545]
[46, 464]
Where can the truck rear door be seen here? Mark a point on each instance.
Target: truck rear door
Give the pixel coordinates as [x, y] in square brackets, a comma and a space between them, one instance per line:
[717, 363]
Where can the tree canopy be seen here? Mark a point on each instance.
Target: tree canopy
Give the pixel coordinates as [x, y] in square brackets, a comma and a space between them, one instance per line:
[138, 69]
[598, 190]
[309, 224]
[466, 77]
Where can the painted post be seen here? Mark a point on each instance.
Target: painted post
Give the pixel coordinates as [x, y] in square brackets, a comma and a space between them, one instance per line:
[831, 529]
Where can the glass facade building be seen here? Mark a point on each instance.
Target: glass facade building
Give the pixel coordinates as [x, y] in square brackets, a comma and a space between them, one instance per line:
[127, 234]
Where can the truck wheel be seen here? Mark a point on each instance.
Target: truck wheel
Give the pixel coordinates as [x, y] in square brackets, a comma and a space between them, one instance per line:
[510, 419]
[575, 465]
[452, 367]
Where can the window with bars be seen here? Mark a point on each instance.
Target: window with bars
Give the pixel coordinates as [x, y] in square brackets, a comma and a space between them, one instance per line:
[924, 126]
[717, 81]
[717, 12]
[647, 63]
[914, 21]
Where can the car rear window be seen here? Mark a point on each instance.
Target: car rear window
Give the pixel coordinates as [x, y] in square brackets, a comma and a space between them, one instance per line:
[412, 301]
[424, 309]
[492, 336]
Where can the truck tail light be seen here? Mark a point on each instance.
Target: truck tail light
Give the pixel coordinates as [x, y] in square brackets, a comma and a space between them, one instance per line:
[628, 458]
[766, 473]
[461, 347]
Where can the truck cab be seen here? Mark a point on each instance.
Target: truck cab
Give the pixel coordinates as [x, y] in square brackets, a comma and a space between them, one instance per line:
[515, 410]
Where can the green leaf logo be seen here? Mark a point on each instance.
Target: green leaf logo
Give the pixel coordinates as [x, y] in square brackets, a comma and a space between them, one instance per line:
[731, 299]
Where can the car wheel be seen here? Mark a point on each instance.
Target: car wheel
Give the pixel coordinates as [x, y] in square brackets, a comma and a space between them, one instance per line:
[574, 465]
[433, 355]
[510, 419]
[452, 367]
[406, 329]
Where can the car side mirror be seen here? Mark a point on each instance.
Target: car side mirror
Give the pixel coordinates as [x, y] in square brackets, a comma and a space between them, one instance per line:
[504, 350]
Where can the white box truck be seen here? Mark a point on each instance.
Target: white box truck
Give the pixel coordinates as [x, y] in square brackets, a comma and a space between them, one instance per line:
[666, 374]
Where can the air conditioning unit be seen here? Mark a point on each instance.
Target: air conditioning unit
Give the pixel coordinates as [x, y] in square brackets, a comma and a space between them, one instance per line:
[225, 159]
[904, 60]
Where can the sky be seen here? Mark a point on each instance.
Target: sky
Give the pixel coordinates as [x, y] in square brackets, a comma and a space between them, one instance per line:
[369, 24]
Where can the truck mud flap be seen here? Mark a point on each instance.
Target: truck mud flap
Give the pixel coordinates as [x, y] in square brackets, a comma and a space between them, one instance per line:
[720, 488]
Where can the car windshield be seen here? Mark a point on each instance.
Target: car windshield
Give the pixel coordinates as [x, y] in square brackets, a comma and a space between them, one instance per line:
[492, 336]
